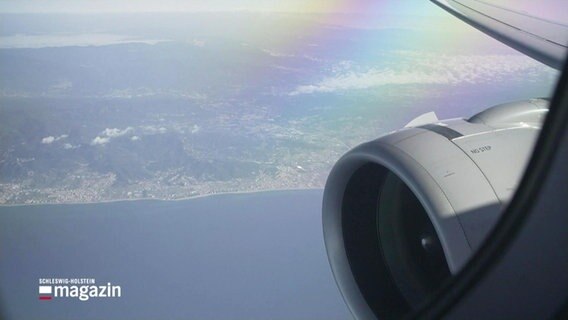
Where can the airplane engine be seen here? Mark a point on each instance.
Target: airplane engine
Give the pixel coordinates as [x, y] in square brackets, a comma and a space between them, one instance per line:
[405, 212]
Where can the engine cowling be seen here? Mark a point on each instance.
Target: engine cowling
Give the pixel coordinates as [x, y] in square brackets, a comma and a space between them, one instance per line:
[405, 212]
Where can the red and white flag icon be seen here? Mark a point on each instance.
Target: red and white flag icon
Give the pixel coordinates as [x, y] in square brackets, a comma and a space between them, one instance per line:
[45, 293]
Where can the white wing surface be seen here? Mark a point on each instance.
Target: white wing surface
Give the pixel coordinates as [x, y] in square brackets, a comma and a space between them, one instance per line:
[541, 39]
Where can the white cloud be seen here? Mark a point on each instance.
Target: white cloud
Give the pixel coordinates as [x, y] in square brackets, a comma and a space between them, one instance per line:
[66, 40]
[48, 140]
[69, 146]
[135, 138]
[100, 140]
[428, 69]
[151, 129]
[109, 133]
[52, 139]
[273, 53]
[312, 58]
[195, 129]
[114, 132]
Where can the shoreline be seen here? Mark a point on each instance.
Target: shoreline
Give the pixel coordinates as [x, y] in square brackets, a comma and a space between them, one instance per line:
[163, 200]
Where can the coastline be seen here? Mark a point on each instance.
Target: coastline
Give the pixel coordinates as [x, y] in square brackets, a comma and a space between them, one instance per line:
[229, 193]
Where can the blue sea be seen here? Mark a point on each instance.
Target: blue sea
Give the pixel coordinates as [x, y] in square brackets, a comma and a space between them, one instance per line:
[233, 256]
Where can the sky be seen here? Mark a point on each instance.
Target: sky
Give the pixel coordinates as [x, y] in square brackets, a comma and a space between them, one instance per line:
[548, 9]
[104, 6]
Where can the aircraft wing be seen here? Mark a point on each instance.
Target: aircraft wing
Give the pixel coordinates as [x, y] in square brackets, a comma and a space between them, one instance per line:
[543, 40]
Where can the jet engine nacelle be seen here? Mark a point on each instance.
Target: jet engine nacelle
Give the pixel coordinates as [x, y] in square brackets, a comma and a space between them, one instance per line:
[403, 213]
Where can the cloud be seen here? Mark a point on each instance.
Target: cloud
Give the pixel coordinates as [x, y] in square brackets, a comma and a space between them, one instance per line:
[195, 129]
[48, 140]
[52, 139]
[100, 141]
[135, 138]
[273, 53]
[114, 132]
[69, 146]
[66, 40]
[151, 129]
[428, 69]
[277, 54]
[109, 133]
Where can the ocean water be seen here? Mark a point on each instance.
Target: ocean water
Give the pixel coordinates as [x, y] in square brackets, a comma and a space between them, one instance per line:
[232, 256]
